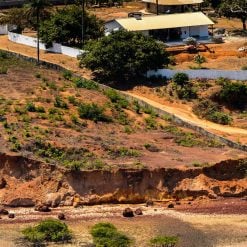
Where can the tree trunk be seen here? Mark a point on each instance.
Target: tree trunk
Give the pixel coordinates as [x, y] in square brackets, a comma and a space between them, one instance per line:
[244, 24]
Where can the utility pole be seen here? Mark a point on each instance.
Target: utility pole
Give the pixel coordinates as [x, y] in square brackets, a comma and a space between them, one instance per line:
[82, 22]
[38, 36]
[157, 7]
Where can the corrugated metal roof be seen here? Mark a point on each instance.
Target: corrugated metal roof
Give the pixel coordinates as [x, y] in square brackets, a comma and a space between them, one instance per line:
[174, 2]
[165, 21]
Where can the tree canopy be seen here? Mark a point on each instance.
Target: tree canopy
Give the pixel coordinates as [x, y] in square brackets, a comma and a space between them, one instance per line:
[123, 56]
[65, 26]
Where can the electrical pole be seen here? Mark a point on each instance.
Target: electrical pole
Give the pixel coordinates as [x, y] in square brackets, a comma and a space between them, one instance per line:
[38, 36]
[82, 22]
[157, 7]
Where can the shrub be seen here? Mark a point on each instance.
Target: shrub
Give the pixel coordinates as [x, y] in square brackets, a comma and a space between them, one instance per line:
[212, 112]
[60, 103]
[190, 41]
[48, 230]
[106, 234]
[234, 94]
[30, 107]
[92, 112]
[83, 83]
[3, 70]
[181, 79]
[199, 59]
[67, 74]
[244, 67]
[186, 92]
[118, 100]
[164, 241]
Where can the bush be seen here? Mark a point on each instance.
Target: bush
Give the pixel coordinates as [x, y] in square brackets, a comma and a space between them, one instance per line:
[67, 74]
[181, 79]
[92, 112]
[49, 230]
[190, 41]
[30, 107]
[164, 241]
[60, 103]
[106, 234]
[3, 70]
[83, 83]
[212, 112]
[116, 98]
[186, 92]
[234, 94]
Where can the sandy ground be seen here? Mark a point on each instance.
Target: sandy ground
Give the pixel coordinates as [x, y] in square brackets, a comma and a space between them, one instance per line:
[193, 230]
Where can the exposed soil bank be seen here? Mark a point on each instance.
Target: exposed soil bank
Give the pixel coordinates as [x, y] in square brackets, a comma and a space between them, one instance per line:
[25, 182]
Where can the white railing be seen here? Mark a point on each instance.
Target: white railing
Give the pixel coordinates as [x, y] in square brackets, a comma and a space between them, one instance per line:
[32, 42]
[240, 75]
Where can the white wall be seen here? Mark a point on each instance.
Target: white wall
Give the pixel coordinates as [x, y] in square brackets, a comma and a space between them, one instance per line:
[204, 31]
[203, 73]
[3, 29]
[32, 42]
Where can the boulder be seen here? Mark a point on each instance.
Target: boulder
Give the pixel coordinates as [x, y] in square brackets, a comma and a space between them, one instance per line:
[128, 212]
[11, 215]
[3, 211]
[3, 183]
[170, 205]
[138, 211]
[149, 203]
[61, 216]
[42, 208]
[21, 202]
[53, 199]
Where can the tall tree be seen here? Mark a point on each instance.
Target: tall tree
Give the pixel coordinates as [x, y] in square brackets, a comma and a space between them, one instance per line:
[65, 26]
[235, 8]
[37, 8]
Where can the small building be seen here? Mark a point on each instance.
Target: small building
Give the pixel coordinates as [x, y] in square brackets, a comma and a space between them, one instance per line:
[168, 27]
[172, 6]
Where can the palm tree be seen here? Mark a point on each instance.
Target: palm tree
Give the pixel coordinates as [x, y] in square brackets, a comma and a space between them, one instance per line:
[37, 8]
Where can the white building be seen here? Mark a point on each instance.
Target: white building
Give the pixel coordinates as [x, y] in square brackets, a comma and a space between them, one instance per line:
[166, 20]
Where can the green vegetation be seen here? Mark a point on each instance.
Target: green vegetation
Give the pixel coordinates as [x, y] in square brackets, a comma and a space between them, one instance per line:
[60, 103]
[84, 83]
[181, 79]
[118, 100]
[234, 94]
[49, 230]
[129, 54]
[212, 112]
[164, 241]
[92, 112]
[124, 152]
[64, 26]
[107, 235]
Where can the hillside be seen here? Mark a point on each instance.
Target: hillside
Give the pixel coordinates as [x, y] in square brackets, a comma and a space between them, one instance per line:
[61, 119]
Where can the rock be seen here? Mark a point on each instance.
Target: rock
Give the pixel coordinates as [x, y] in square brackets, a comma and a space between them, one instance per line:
[53, 199]
[128, 212]
[3, 211]
[21, 202]
[170, 205]
[42, 208]
[3, 183]
[149, 203]
[178, 203]
[11, 215]
[138, 211]
[152, 148]
[61, 216]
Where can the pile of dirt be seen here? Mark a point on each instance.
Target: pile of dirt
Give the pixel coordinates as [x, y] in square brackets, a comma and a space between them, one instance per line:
[30, 183]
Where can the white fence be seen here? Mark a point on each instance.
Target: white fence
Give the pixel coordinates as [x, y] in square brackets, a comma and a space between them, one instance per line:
[240, 75]
[56, 48]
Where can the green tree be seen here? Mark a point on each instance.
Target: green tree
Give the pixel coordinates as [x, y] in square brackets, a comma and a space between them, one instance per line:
[235, 8]
[15, 16]
[65, 26]
[123, 56]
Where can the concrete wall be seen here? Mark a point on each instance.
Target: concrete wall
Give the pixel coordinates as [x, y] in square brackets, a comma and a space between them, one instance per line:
[3, 29]
[203, 73]
[32, 42]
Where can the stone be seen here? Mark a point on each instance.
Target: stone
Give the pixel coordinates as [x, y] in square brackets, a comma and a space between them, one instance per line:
[3, 211]
[21, 202]
[149, 203]
[42, 208]
[61, 216]
[138, 211]
[170, 205]
[53, 199]
[11, 215]
[3, 183]
[128, 212]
